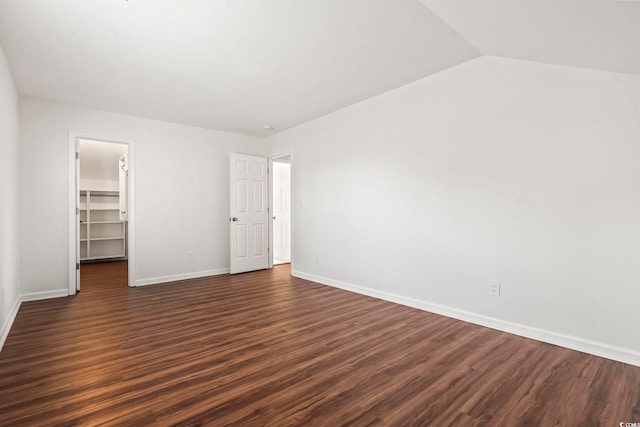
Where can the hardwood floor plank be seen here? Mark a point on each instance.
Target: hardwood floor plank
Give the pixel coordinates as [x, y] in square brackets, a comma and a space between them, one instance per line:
[265, 348]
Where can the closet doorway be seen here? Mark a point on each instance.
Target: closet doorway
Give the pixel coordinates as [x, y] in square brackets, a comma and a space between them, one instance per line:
[101, 228]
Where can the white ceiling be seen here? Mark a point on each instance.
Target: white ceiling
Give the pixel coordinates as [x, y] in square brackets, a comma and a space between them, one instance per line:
[600, 34]
[240, 65]
[99, 160]
[224, 64]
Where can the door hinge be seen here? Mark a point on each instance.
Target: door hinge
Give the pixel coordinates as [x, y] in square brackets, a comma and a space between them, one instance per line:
[77, 266]
[77, 155]
[77, 211]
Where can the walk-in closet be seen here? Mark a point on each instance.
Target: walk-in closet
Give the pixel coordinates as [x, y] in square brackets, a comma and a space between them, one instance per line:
[103, 199]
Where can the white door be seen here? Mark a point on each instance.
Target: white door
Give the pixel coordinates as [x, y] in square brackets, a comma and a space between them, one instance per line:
[78, 207]
[123, 181]
[282, 211]
[248, 219]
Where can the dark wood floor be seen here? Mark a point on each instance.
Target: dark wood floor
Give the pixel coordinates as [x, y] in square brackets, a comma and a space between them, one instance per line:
[267, 349]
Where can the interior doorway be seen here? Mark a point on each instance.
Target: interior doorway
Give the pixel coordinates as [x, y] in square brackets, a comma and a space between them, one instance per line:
[281, 209]
[100, 223]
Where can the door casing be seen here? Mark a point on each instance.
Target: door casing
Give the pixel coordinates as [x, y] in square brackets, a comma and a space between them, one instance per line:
[74, 279]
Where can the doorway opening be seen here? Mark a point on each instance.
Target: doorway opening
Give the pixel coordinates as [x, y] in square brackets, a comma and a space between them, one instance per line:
[281, 209]
[101, 231]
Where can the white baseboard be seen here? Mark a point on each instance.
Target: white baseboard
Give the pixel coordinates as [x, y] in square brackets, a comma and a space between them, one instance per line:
[35, 296]
[176, 277]
[6, 327]
[575, 343]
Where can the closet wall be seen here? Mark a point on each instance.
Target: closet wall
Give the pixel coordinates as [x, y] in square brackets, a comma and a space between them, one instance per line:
[99, 165]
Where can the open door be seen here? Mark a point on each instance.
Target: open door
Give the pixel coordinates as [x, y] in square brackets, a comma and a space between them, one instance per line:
[123, 185]
[249, 215]
[78, 218]
[281, 211]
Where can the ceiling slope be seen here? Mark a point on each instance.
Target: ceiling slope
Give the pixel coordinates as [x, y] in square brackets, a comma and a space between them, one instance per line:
[599, 34]
[229, 65]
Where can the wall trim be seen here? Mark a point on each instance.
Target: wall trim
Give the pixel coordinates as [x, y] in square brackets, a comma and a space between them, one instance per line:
[574, 343]
[35, 296]
[176, 277]
[6, 327]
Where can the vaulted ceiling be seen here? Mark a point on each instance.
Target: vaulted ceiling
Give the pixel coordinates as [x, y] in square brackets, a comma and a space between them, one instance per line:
[599, 34]
[241, 65]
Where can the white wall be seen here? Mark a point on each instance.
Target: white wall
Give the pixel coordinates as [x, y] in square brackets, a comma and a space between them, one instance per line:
[100, 160]
[496, 169]
[9, 282]
[181, 192]
[99, 165]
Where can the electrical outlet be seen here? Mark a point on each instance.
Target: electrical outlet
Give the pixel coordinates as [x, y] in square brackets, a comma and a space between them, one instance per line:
[494, 288]
[190, 256]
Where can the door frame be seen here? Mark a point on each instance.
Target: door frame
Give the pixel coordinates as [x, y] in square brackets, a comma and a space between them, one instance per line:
[271, 176]
[73, 190]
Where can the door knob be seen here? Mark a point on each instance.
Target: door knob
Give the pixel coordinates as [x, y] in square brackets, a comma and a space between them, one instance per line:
[234, 219]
